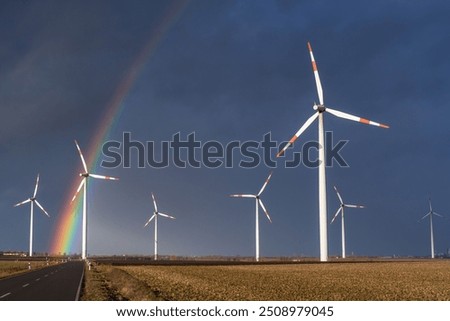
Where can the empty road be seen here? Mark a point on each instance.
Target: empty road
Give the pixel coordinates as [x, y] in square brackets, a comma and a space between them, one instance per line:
[60, 282]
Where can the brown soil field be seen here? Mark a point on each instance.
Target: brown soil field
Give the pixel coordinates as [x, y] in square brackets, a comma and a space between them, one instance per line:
[367, 281]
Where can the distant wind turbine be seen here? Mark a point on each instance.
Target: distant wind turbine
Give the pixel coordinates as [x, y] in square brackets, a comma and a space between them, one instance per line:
[341, 210]
[320, 110]
[430, 214]
[83, 183]
[33, 200]
[155, 216]
[258, 202]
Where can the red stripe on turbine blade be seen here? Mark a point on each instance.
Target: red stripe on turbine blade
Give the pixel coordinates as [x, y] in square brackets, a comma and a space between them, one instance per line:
[289, 144]
[292, 140]
[309, 47]
[281, 152]
[368, 122]
[112, 178]
[314, 65]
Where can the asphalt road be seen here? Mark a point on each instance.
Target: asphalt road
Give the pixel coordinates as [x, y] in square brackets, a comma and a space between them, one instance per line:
[54, 283]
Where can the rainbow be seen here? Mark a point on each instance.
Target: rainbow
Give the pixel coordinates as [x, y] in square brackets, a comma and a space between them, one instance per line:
[66, 235]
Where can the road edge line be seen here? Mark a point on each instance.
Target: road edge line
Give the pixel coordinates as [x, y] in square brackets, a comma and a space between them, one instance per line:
[77, 297]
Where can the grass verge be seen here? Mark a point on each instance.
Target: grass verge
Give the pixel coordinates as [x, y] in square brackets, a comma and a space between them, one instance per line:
[106, 283]
[10, 268]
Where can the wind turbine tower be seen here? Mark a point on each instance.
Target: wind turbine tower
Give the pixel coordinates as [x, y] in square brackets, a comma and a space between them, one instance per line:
[258, 203]
[32, 200]
[341, 211]
[155, 216]
[85, 175]
[430, 215]
[320, 110]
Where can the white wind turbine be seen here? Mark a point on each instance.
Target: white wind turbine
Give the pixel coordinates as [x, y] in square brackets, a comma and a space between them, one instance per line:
[83, 184]
[430, 214]
[33, 200]
[320, 110]
[258, 202]
[341, 210]
[155, 216]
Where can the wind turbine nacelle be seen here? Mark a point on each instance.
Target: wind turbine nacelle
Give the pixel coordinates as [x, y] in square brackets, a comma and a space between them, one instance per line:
[319, 108]
[84, 174]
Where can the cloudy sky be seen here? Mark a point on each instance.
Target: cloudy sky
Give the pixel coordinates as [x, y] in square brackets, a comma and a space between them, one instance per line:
[227, 70]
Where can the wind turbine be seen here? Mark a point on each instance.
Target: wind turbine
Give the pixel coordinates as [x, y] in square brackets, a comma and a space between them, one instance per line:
[258, 202]
[341, 210]
[430, 214]
[83, 184]
[33, 200]
[155, 216]
[320, 110]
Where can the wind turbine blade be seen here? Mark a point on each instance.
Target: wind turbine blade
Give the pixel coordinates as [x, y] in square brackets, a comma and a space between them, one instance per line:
[341, 114]
[298, 133]
[40, 206]
[78, 189]
[24, 202]
[81, 156]
[154, 203]
[104, 177]
[36, 187]
[336, 215]
[338, 195]
[353, 206]
[243, 195]
[166, 215]
[265, 184]
[151, 218]
[425, 216]
[438, 214]
[316, 75]
[264, 209]
[429, 201]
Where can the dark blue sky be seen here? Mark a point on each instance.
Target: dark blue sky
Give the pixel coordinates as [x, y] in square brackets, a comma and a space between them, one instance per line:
[229, 70]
